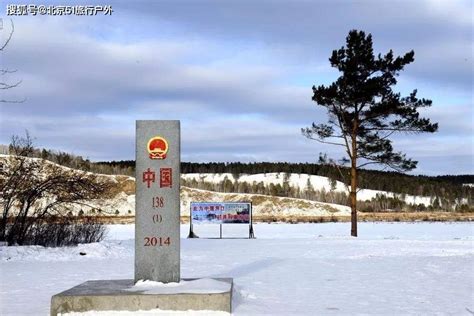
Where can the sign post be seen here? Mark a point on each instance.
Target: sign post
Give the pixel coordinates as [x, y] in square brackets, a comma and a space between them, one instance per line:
[157, 202]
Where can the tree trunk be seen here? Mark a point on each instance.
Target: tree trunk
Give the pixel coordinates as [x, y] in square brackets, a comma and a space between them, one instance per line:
[353, 193]
[353, 201]
[3, 220]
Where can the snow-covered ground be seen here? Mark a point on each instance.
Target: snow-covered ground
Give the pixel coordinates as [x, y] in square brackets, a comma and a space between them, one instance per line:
[300, 269]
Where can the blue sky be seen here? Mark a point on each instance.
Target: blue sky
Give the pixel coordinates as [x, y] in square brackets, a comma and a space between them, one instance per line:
[238, 74]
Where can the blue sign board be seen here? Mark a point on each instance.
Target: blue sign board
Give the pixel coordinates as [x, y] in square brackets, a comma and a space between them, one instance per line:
[220, 212]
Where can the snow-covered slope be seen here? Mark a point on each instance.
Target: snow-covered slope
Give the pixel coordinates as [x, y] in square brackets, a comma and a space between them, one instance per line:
[120, 198]
[264, 204]
[301, 182]
[121, 202]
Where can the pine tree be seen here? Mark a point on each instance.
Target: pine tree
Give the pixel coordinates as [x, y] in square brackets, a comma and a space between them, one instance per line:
[364, 111]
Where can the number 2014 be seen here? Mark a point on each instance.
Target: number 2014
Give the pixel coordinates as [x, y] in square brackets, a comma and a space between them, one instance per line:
[157, 241]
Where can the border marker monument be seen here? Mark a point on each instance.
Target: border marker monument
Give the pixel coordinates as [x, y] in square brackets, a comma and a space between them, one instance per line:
[157, 201]
[157, 241]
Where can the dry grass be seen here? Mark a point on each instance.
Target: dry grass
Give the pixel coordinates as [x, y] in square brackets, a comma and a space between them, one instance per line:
[258, 199]
[417, 216]
[362, 217]
[116, 219]
[366, 217]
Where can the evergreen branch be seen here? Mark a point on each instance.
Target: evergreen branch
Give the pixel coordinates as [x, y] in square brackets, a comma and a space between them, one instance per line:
[324, 142]
[391, 129]
[346, 181]
[348, 151]
[325, 161]
[367, 163]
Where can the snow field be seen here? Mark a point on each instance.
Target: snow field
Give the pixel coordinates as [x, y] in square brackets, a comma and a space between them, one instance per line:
[150, 312]
[300, 269]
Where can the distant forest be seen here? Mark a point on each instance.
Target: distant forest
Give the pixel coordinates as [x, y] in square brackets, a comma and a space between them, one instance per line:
[448, 187]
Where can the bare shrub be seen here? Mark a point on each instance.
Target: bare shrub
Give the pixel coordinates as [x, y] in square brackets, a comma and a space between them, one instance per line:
[66, 231]
[34, 192]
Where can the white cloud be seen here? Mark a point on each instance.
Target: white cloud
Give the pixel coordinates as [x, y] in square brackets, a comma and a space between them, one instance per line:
[241, 87]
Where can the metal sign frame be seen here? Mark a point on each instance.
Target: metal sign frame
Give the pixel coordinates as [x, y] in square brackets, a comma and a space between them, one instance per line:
[193, 235]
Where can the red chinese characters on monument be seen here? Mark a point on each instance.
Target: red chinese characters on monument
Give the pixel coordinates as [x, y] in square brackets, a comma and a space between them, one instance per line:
[149, 177]
[166, 177]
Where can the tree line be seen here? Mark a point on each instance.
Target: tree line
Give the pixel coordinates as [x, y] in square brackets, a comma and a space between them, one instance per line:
[379, 203]
[446, 187]
[74, 161]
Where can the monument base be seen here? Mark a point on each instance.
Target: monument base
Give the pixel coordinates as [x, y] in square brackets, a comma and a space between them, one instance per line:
[124, 295]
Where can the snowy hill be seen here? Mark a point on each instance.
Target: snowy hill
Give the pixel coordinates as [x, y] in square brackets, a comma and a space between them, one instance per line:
[264, 205]
[301, 182]
[121, 200]
[123, 204]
